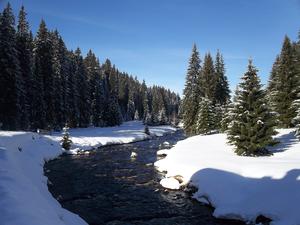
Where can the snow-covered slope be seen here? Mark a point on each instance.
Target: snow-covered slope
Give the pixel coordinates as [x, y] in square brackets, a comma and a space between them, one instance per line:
[87, 138]
[24, 196]
[240, 187]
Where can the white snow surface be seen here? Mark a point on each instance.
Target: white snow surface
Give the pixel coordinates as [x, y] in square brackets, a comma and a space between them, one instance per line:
[92, 137]
[25, 198]
[170, 183]
[240, 187]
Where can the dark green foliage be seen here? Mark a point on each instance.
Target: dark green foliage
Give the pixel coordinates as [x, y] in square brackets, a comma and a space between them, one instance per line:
[24, 45]
[222, 91]
[11, 89]
[209, 82]
[284, 84]
[43, 91]
[191, 93]
[206, 117]
[252, 123]
[83, 90]
[208, 78]
[227, 117]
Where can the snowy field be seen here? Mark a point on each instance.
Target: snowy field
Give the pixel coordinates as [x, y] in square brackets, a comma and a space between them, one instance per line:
[25, 199]
[239, 187]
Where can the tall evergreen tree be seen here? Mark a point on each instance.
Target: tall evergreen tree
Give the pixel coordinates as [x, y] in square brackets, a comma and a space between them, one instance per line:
[97, 91]
[83, 91]
[24, 47]
[284, 84]
[10, 78]
[191, 93]
[43, 76]
[208, 78]
[253, 125]
[58, 104]
[222, 91]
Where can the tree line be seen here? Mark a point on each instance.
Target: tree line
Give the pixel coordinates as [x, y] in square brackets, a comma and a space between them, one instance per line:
[45, 85]
[250, 118]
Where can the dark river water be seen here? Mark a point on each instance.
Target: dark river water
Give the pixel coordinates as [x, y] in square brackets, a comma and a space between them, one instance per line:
[108, 187]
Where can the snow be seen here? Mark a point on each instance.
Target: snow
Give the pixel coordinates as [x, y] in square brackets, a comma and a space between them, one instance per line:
[240, 187]
[93, 137]
[25, 198]
[170, 183]
[133, 155]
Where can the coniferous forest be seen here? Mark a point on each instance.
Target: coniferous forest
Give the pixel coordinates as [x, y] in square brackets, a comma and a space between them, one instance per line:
[251, 116]
[43, 84]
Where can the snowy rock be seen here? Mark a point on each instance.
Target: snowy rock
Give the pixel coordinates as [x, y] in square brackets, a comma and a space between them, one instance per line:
[170, 183]
[167, 144]
[133, 155]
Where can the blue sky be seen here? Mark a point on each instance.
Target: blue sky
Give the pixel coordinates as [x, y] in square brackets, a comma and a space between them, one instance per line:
[153, 39]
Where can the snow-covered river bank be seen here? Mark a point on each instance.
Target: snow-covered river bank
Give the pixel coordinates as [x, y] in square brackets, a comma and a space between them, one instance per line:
[239, 187]
[25, 198]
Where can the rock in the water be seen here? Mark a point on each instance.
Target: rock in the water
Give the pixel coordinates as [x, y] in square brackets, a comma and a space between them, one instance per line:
[133, 155]
[170, 183]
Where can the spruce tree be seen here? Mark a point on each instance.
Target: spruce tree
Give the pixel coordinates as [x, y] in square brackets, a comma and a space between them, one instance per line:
[83, 91]
[58, 104]
[11, 89]
[191, 93]
[253, 125]
[206, 117]
[208, 78]
[25, 58]
[43, 78]
[284, 84]
[98, 94]
[222, 91]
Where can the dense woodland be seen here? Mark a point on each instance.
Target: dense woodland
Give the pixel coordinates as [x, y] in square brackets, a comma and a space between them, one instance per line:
[45, 85]
[251, 116]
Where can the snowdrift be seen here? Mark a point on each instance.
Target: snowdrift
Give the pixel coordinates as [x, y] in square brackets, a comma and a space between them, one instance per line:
[240, 187]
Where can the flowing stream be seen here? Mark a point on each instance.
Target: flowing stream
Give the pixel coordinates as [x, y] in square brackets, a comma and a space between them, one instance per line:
[109, 187]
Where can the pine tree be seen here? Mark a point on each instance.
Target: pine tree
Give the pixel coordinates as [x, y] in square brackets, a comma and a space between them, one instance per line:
[71, 96]
[58, 104]
[283, 84]
[98, 94]
[43, 77]
[206, 117]
[25, 58]
[208, 78]
[253, 125]
[222, 91]
[11, 88]
[83, 90]
[191, 93]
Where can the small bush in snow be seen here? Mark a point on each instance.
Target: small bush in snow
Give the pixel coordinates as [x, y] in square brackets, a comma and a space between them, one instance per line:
[66, 141]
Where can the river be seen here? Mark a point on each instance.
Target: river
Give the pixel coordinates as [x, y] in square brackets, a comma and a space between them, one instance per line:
[109, 187]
